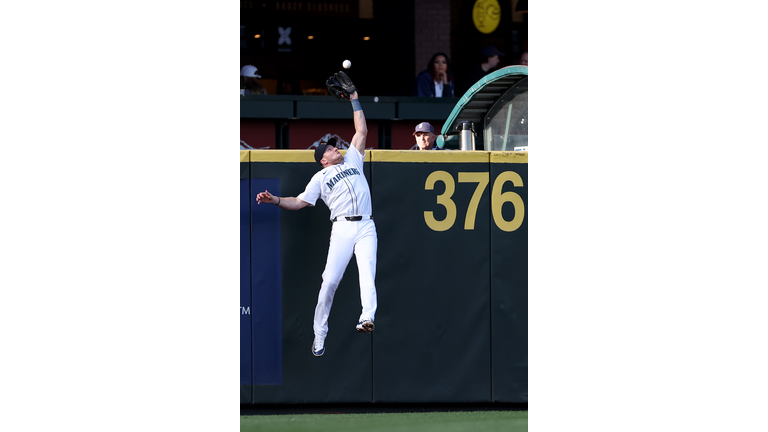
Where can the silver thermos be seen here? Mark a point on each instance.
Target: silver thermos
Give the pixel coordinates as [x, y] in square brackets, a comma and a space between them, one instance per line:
[466, 136]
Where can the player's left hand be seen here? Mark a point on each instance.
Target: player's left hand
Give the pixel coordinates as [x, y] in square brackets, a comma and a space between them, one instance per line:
[264, 196]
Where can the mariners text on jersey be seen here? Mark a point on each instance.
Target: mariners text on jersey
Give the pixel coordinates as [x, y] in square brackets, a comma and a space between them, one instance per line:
[346, 173]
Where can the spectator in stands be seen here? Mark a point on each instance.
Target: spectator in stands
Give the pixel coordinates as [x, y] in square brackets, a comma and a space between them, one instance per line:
[425, 137]
[437, 79]
[524, 59]
[489, 59]
[287, 84]
[249, 84]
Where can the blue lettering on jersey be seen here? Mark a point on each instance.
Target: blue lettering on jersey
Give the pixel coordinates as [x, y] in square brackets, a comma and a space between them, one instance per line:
[346, 173]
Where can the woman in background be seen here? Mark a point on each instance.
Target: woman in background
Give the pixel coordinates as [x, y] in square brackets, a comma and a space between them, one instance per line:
[437, 79]
[249, 85]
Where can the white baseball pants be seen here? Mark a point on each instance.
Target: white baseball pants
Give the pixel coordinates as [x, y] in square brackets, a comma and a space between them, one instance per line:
[348, 237]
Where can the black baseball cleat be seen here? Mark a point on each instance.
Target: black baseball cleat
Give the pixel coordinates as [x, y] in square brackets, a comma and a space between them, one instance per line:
[365, 326]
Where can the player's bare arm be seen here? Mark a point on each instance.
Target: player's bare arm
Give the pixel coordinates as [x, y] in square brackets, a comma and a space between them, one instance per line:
[285, 203]
[342, 87]
[361, 128]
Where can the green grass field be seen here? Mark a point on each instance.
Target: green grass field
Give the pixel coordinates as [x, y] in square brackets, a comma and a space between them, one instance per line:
[474, 421]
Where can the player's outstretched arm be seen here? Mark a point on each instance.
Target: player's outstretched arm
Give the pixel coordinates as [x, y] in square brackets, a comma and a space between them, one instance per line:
[361, 128]
[286, 203]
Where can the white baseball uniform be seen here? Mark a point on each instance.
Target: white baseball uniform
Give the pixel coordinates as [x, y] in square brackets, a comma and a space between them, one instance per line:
[345, 191]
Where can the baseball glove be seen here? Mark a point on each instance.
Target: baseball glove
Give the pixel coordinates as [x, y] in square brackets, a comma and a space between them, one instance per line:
[340, 85]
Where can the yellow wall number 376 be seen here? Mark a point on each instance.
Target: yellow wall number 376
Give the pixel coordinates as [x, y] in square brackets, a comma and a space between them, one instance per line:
[497, 199]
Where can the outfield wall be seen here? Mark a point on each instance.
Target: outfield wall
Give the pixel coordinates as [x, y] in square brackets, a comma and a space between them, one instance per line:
[452, 281]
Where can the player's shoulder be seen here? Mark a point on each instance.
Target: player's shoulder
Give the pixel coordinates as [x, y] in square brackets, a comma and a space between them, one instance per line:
[353, 152]
[319, 174]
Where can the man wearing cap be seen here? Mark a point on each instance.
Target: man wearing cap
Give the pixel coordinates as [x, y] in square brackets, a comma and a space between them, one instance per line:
[425, 137]
[489, 60]
[341, 184]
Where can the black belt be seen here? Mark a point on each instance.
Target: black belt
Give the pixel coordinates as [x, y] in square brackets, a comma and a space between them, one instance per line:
[350, 218]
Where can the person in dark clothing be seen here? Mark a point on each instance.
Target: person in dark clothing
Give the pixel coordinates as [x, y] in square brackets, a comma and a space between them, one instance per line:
[437, 79]
[489, 61]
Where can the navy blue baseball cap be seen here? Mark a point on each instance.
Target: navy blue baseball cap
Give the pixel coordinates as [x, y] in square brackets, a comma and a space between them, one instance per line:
[320, 150]
[424, 127]
[491, 51]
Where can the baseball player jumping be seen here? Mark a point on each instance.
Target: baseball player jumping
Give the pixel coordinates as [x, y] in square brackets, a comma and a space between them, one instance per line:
[344, 189]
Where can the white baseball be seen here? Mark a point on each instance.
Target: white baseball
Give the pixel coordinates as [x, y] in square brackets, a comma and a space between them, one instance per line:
[347, 64]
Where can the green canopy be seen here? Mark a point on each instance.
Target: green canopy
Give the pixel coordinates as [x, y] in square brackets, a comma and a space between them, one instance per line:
[493, 94]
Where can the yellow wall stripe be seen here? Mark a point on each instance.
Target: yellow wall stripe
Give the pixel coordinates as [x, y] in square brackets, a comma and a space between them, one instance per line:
[509, 157]
[290, 155]
[416, 156]
[282, 155]
[429, 156]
